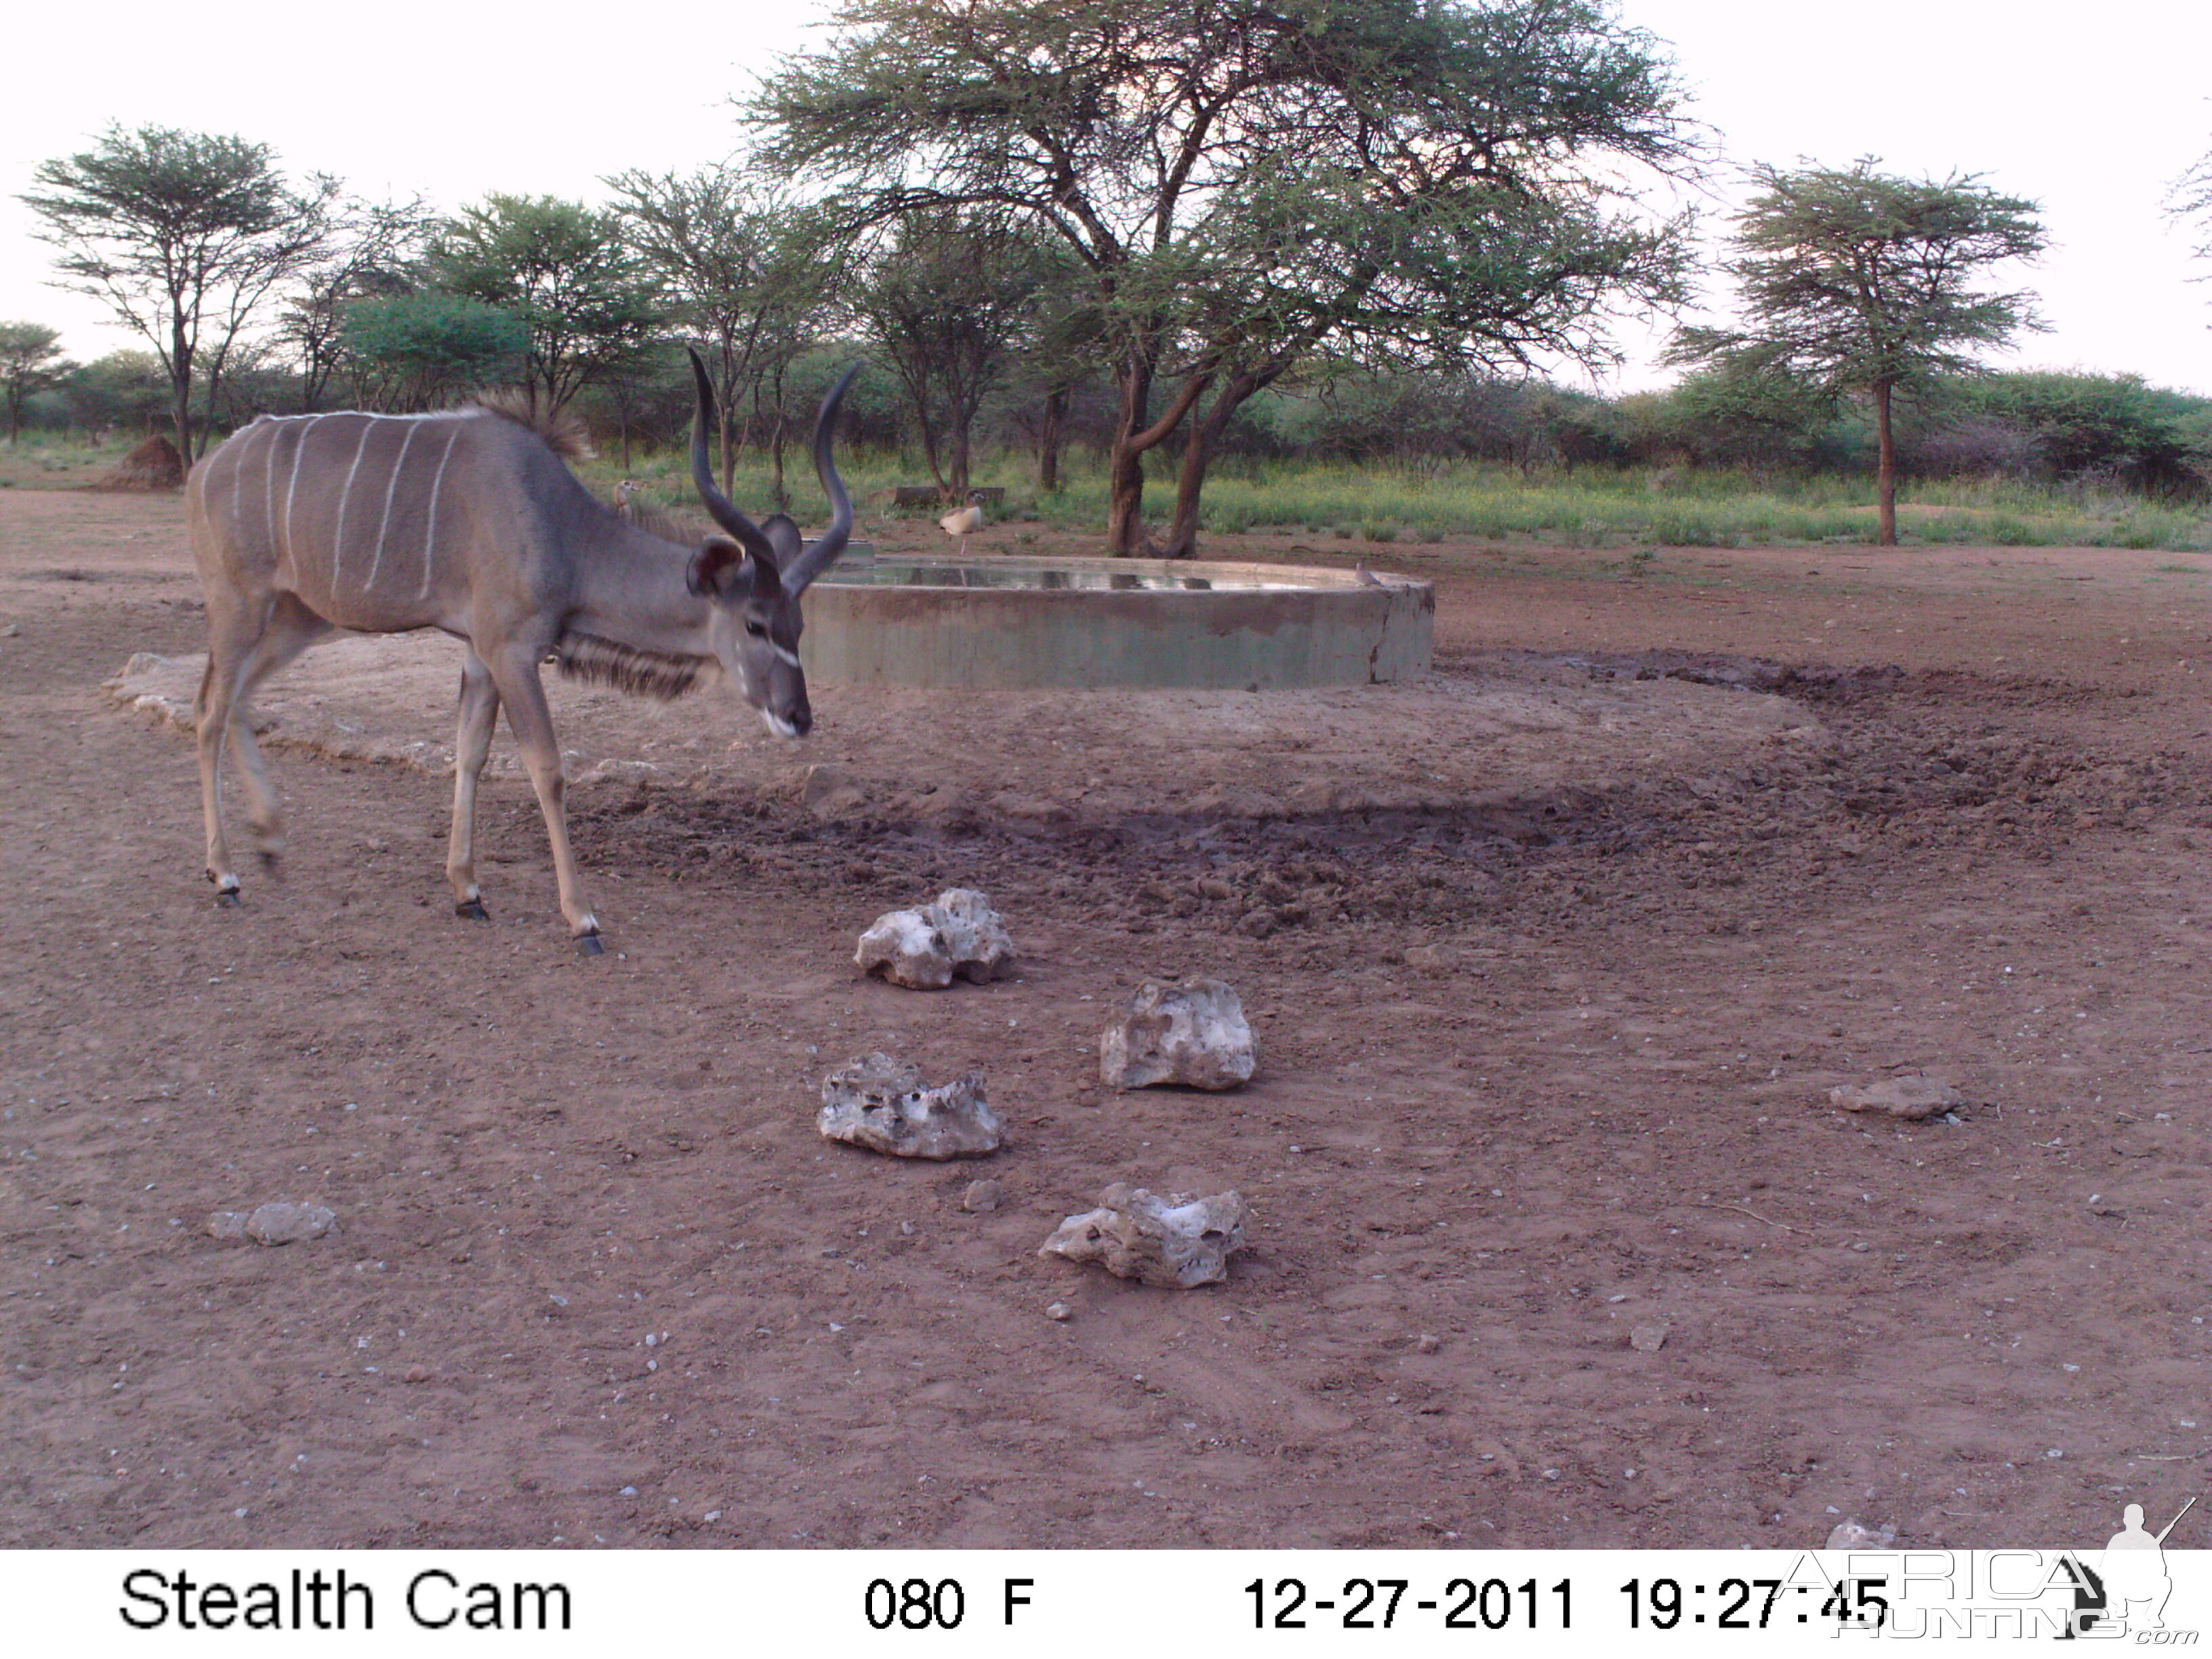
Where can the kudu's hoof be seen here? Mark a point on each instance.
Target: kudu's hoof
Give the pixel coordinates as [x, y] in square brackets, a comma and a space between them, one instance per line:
[472, 910]
[588, 945]
[226, 898]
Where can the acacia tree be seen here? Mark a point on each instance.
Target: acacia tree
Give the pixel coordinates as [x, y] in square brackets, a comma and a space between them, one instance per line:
[184, 236]
[565, 272]
[2191, 198]
[746, 270]
[1854, 281]
[946, 299]
[31, 360]
[371, 247]
[1247, 179]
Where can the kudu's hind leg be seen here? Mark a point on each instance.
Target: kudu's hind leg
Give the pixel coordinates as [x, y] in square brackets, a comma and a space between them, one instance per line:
[471, 745]
[516, 676]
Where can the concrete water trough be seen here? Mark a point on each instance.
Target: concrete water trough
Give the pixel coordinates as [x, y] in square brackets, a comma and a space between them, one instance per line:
[916, 620]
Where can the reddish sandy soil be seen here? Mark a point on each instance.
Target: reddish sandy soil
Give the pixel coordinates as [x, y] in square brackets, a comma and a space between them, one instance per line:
[1554, 960]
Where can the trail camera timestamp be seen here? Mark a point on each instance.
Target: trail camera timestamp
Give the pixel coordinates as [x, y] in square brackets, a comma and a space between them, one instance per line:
[1397, 1603]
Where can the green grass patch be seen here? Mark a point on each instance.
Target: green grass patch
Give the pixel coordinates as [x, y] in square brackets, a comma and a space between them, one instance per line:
[1595, 506]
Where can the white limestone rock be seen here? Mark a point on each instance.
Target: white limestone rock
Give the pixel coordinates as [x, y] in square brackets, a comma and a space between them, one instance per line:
[907, 948]
[1193, 1034]
[981, 951]
[960, 936]
[880, 1103]
[1175, 1243]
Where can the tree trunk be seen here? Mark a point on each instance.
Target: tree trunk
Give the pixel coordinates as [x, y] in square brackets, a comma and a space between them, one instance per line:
[961, 440]
[776, 491]
[928, 427]
[180, 392]
[1125, 518]
[1125, 466]
[1206, 433]
[1048, 440]
[1886, 487]
[1125, 512]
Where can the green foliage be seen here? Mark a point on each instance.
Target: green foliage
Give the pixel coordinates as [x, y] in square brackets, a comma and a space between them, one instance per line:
[414, 350]
[126, 389]
[31, 360]
[2110, 429]
[565, 272]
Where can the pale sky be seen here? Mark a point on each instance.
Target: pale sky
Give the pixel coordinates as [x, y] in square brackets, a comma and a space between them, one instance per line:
[2091, 112]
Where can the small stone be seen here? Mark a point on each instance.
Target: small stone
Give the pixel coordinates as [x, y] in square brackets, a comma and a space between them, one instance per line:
[880, 1103]
[983, 1196]
[1427, 1343]
[1648, 1338]
[1855, 1535]
[1911, 1097]
[1193, 1034]
[1178, 1242]
[1059, 1311]
[415, 1374]
[286, 1223]
[227, 1224]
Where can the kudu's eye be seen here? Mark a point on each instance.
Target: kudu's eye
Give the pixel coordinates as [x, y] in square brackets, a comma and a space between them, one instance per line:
[758, 630]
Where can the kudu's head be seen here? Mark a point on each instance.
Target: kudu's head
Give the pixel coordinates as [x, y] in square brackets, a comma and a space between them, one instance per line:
[756, 576]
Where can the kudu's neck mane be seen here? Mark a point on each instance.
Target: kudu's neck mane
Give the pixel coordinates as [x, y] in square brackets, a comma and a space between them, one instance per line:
[634, 626]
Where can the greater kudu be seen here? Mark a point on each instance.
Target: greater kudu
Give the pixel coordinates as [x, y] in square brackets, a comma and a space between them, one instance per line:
[468, 522]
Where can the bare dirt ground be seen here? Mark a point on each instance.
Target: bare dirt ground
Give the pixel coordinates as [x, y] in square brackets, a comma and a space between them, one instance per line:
[1554, 959]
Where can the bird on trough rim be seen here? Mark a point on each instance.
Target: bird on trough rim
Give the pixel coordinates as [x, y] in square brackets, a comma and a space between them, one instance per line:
[964, 521]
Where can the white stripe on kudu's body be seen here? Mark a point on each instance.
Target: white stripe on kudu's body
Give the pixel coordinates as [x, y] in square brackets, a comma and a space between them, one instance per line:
[517, 559]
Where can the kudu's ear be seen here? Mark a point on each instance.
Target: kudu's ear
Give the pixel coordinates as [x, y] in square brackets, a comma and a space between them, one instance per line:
[783, 536]
[722, 571]
[714, 567]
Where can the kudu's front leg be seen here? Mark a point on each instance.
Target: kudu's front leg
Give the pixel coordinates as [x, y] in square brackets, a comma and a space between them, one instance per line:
[239, 660]
[472, 746]
[516, 676]
[211, 717]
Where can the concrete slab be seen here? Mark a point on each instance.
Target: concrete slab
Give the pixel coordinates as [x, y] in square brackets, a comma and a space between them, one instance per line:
[1078, 623]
